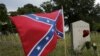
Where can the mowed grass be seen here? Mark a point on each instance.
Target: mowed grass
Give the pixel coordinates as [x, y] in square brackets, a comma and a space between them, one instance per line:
[10, 45]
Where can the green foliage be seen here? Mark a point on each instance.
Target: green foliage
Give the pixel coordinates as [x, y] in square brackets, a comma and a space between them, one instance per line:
[96, 26]
[3, 13]
[13, 13]
[76, 10]
[28, 8]
[96, 13]
[4, 19]
[49, 7]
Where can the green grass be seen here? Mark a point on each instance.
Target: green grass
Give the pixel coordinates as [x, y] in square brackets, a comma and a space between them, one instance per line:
[10, 46]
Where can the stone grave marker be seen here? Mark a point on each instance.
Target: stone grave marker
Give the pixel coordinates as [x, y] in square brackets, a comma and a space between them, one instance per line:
[80, 34]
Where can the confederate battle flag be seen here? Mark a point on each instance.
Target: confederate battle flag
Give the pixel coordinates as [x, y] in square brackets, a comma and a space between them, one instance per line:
[39, 32]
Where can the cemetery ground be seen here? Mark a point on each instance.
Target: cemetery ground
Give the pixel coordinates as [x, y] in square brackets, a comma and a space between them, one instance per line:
[10, 46]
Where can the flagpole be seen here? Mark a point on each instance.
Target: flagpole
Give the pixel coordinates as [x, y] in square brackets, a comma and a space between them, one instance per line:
[64, 31]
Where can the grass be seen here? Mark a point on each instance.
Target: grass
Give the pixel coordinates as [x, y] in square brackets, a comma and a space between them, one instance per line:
[10, 46]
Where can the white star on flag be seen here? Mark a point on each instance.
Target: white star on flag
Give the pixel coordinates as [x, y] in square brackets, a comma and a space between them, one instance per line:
[38, 48]
[37, 18]
[47, 38]
[52, 30]
[48, 21]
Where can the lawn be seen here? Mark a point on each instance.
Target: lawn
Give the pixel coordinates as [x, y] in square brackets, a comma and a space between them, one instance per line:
[10, 46]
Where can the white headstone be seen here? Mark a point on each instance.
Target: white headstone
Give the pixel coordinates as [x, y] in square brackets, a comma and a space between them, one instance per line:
[78, 39]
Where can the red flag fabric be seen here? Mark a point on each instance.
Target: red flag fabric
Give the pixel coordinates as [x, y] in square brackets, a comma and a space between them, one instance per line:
[39, 32]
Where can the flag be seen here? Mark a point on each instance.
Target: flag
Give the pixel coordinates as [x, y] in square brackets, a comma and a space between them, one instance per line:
[39, 32]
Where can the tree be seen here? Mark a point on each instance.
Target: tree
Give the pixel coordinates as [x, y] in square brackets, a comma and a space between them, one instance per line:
[28, 8]
[4, 19]
[3, 13]
[13, 13]
[96, 13]
[96, 18]
[49, 6]
[78, 10]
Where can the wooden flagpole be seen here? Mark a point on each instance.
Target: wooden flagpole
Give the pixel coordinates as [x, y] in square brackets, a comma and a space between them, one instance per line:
[64, 32]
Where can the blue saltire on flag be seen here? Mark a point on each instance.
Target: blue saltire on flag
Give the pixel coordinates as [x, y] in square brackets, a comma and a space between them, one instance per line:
[39, 32]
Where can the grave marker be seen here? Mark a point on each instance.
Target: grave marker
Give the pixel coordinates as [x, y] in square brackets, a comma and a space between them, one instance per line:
[80, 35]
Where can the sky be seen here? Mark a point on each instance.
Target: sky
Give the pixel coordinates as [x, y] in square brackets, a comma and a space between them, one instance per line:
[12, 5]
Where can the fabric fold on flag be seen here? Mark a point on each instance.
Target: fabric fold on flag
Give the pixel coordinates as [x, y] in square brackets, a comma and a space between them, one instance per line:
[39, 32]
